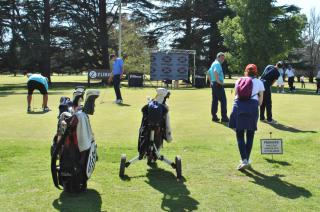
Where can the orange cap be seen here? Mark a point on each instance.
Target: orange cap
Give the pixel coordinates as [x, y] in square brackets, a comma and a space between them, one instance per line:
[252, 68]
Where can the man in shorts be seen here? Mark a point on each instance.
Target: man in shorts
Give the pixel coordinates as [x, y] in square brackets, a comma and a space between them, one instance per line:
[39, 82]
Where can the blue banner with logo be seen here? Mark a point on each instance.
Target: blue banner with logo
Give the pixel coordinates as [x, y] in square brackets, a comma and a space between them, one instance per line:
[169, 66]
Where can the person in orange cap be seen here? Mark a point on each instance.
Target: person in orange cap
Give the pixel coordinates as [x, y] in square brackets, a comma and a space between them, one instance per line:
[244, 115]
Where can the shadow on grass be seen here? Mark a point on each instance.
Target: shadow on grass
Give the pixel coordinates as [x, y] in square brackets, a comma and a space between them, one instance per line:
[226, 124]
[123, 105]
[86, 201]
[280, 187]
[175, 193]
[282, 163]
[128, 178]
[301, 91]
[53, 85]
[38, 112]
[10, 93]
[283, 127]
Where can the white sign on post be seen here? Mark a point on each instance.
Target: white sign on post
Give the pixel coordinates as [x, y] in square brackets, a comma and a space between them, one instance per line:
[271, 146]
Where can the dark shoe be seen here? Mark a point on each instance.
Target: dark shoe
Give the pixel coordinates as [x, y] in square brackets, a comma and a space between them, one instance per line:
[29, 110]
[215, 119]
[226, 119]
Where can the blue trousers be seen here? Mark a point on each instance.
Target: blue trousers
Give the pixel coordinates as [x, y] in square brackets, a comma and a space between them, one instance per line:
[245, 147]
[218, 94]
[266, 104]
[116, 86]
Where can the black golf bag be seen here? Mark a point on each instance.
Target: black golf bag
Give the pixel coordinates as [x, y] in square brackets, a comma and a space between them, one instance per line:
[154, 128]
[71, 163]
[153, 120]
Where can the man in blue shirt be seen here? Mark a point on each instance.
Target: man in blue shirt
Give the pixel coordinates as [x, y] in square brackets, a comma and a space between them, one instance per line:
[216, 77]
[39, 82]
[117, 72]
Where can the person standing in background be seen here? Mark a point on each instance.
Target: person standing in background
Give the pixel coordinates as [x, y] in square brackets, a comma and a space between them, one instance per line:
[117, 73]
[244, 115]
[216, 78]
[290, 74]
[303, 85]
[318, 82]
[280, 81]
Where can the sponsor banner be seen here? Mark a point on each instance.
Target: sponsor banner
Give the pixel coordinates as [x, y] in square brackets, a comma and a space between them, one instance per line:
[169, 66]
[98, 74]
[135, 80]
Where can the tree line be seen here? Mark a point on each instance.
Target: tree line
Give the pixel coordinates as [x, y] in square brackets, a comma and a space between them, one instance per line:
[71, 35]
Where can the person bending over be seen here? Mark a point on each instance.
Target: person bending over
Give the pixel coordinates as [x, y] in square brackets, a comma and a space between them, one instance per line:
[268, 77]
[39, 82]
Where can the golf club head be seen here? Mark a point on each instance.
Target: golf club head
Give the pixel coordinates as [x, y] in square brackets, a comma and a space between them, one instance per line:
[89, 104]
[78, 95]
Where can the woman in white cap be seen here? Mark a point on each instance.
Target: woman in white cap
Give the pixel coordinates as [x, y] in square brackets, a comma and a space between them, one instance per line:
[280, 81]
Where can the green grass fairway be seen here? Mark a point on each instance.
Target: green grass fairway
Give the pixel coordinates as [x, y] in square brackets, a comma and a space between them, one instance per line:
[208, 150]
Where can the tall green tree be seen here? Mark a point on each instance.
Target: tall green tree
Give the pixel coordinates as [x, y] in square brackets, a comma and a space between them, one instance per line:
[190, 24]
[266, 32]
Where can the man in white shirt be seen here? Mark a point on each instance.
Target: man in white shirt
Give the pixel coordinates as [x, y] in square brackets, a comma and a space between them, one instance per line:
[290, 74]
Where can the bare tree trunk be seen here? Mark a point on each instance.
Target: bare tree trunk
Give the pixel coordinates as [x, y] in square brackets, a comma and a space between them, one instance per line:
[313, 34]
[103, 37]
[46, 37]
[13, 53]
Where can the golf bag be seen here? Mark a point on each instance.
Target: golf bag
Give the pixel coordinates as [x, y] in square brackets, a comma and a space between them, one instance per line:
[74, 152]
[153, 119]
[155, 127]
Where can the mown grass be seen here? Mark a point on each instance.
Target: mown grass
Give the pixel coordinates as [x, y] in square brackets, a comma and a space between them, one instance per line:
[209, 154]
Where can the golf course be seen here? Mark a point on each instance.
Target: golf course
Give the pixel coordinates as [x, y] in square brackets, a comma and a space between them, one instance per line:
[209, 153]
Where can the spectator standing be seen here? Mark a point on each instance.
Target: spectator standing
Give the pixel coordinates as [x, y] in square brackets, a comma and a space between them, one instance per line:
[280, 81]
[303, 85]
[117, 73]
[244, 115]
[216, 78]
[290, 74]
[318, 82]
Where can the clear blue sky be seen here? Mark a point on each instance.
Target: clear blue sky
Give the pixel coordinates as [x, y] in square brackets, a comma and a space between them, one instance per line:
[305, 5]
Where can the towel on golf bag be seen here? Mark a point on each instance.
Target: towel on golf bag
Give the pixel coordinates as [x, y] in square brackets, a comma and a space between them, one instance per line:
[168, 133]
[84, 131]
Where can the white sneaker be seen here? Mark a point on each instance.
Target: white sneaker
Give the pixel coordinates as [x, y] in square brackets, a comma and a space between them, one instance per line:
[46, 109]
[243, 164]
[118, 101]
[272, 121]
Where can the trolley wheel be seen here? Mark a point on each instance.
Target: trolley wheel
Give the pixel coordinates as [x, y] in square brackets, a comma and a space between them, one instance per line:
[178, 167]
[122, 165]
